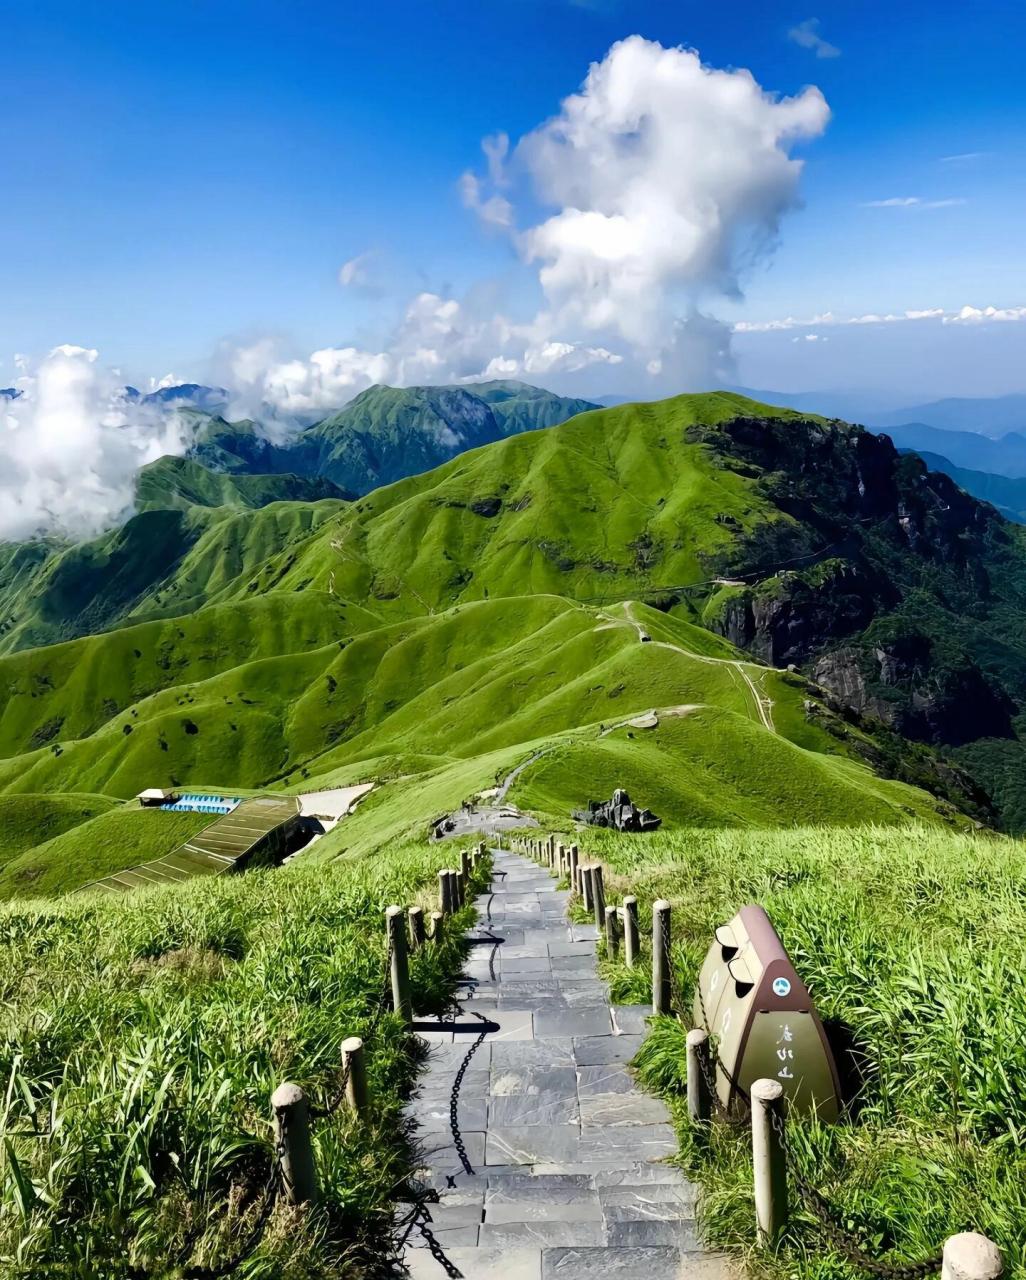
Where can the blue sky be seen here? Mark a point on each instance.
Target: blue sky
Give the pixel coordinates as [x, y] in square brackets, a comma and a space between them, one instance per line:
[185, 179]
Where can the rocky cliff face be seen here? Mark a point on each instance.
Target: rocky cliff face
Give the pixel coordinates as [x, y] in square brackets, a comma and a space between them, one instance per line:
[895, 585]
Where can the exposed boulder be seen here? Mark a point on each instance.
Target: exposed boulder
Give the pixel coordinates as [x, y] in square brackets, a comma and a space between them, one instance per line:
[619, 814]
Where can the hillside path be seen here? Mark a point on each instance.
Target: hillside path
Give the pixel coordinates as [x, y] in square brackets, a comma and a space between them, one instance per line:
[763, 702]
[569, 1179]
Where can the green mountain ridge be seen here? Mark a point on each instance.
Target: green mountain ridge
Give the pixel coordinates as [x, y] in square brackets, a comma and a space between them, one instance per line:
[530, 598]
[387, 433]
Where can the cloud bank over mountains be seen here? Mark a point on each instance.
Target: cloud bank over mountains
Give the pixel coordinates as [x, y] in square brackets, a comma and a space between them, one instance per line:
[646, 198]
[632, 215]
[72, 441]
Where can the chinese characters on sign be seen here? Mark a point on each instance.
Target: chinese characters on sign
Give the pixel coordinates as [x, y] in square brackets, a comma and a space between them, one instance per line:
[785, 1054]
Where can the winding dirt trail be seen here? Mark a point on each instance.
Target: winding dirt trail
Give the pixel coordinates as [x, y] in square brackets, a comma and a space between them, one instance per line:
[763, 702]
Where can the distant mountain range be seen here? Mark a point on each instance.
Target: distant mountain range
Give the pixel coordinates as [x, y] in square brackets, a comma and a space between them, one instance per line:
[1003, 457]
[387, 433]
[186, 394]
[991, 416]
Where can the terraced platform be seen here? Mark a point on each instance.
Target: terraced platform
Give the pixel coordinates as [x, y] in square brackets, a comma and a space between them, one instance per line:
[222, 846]
[567, 1173]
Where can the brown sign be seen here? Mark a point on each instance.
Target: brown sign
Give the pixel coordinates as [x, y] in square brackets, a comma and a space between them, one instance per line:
[762, 1018]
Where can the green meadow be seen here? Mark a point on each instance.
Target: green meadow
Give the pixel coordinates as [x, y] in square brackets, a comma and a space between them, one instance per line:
[552, 606]
[913, 942]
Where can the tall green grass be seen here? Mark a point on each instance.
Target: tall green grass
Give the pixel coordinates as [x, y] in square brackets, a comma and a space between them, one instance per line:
[140, 1041]
[914, 944]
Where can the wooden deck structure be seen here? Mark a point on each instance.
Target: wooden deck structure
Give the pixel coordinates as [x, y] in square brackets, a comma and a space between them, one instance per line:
[256, 831]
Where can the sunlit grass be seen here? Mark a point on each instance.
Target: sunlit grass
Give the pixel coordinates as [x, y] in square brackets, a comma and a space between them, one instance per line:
[913, 942]
[142, 1039]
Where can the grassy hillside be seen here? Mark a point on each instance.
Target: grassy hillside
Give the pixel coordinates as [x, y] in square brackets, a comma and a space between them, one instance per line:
[912, 942]
[145, 1040]
[493, 676]
[386, 433]
[161, 563]
[180, 483]
[30, 820]
[111, 841]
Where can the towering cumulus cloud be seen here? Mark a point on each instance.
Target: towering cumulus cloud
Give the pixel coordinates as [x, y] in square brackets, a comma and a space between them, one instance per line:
[71, 443]
[660, 183]
[669, 178]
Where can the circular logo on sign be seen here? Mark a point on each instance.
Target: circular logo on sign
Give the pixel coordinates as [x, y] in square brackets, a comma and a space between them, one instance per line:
[781, 987]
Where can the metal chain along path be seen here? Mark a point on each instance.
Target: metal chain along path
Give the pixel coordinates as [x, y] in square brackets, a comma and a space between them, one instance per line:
[569, 1155]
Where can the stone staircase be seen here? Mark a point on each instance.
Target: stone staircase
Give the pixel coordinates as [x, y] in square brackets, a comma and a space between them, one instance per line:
[568, 1155]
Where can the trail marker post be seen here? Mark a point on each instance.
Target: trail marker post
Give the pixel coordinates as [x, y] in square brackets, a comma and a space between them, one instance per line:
[969, 1256]
[631, 935]
[661, 989]
[612, 932]
[417, 935]
[292, 1140]
[769, 1160]
[598, 896]
[355, 1062]
[699, 1072]
[400, 966]
[586, 887]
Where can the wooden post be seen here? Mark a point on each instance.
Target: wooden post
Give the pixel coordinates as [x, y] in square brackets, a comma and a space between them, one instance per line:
[699, 1071]
[482, 848]
[769, 1161]
[598, 896]
[464, 873]
[443, 893]
[416, 915]
[969, 1256]
[586, 887]
[437, 928]
[572, 859]
[560, 859]
[631, 937]
[455, 896]
[292, 1140]
[357, 1094]
[661, 1002]
[612, 933]
[400, 963]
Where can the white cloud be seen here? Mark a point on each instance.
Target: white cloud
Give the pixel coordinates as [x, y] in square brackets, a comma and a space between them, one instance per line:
[964, 157]
[667, 175]
[72, 443]
[965, 315]
[495, 210]
[987, 315]
[912, 202]
[356, 272]
[807, 35]
[668, 178]
[664, 179]
[266, 386]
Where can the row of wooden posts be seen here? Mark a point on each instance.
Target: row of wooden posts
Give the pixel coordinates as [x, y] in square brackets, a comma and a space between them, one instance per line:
[617, 924]
[966, 1256]
[406, 932]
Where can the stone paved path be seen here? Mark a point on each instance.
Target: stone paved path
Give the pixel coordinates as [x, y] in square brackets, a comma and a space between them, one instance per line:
[567, 1151]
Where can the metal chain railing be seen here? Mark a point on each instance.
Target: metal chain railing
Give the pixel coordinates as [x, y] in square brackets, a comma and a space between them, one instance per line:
[275, 1181]
[840, 1240]
[711, 1062]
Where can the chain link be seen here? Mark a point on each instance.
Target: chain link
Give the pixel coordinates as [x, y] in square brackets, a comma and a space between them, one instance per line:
[329, 1108]
[454, 1097]
[839, 1239]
